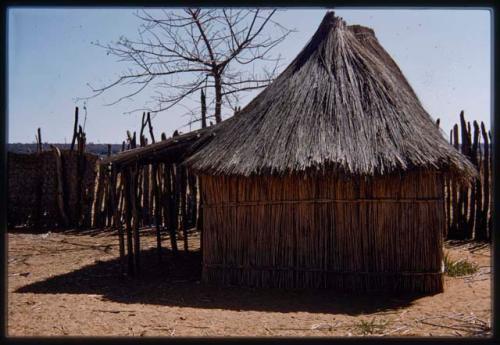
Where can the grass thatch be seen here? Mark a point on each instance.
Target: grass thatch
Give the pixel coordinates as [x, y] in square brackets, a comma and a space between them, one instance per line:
[171, 150]
[341, 103]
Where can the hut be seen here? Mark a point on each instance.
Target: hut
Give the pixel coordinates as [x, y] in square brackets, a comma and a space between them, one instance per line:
[331, 177]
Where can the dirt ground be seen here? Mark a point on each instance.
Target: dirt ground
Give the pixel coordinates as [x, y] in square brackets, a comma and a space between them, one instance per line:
[70, 284]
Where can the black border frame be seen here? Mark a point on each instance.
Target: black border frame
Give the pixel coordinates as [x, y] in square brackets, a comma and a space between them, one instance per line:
[438, 4]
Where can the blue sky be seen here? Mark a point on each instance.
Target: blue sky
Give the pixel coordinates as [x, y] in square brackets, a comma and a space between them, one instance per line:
[445, 55]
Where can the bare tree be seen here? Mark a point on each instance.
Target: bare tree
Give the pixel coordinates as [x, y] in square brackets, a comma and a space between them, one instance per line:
[179, 53]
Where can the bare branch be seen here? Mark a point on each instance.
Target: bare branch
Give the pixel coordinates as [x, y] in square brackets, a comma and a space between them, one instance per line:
[177, 53]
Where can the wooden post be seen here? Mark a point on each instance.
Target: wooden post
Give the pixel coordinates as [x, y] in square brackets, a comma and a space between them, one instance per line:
[135, 215]
[486, 186]
[182, 182]
[172, 215]
[128, 215]
[60, 192]
[449, 197]
[38, 193]
[75, 127]
[116, 221]
[131, 140]
[453, 232]
[40, 148]
[157, 209]
[150, 128]
[463, 199]
[99, 198]
[193, 193]
[79, 163]
[109, 207]
[143, 125]
[199, 223]
[475, 186]
[146, 207]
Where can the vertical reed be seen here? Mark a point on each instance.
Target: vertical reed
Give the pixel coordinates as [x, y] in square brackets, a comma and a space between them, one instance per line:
[348, 233]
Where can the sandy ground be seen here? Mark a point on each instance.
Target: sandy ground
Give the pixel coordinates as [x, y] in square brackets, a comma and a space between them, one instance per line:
[70, 284]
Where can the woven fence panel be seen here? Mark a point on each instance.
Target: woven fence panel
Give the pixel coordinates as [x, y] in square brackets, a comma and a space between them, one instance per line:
[32, 189]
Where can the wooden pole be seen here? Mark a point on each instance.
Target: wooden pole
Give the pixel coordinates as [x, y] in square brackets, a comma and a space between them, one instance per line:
[453, 232]
[75, 127]
[135, 215]
[38, 193]
[79, 177]
[40, 149]
[483, 233]
[193, 193]
[449, 198]
[150, 126]
[199, 222]
[183, 190]
[116, 221]
[143, 125]
[128, 215]
[475, 186]
[98, 211]
[463, 198]
[157, 209]
[60, 192]
[171, 196]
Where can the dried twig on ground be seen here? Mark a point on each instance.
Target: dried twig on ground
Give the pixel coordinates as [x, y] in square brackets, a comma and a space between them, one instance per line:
[471, 325]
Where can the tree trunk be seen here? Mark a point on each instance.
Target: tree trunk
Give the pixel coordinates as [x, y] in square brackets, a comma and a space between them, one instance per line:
[218, 99]
[203, 110]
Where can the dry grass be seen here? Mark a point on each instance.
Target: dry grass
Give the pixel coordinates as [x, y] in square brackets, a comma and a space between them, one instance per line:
[374, 326]
[459, 268]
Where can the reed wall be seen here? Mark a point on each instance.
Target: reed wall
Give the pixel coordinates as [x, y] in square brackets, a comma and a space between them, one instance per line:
[355, 234]
[33, 189]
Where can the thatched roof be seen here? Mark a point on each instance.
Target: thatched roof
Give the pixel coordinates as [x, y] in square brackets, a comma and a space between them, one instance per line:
[171, 150]
[342, 103]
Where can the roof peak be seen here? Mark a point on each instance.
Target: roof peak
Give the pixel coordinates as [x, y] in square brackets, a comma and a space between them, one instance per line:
[330, 20]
